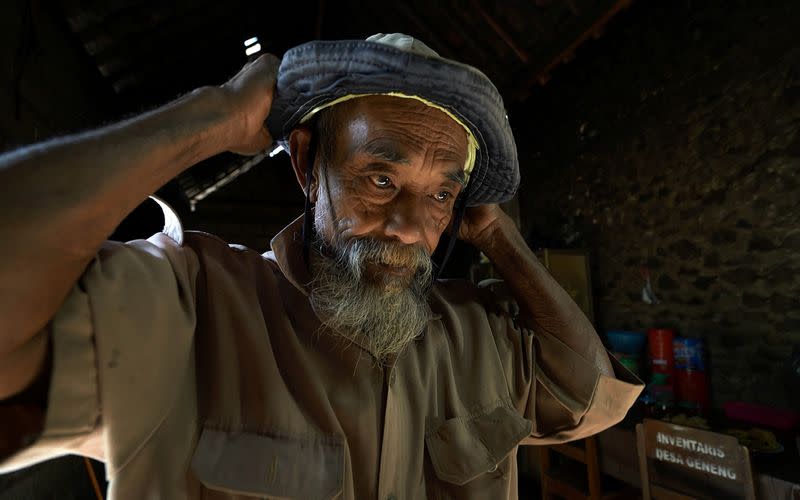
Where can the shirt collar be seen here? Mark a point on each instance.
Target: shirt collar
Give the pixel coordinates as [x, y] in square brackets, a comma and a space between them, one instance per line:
[287, 252]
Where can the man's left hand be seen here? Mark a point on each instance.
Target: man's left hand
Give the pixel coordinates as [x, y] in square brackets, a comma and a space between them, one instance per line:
[482, 223]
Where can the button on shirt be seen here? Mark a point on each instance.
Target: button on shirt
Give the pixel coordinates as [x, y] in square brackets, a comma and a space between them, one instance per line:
[197, 369]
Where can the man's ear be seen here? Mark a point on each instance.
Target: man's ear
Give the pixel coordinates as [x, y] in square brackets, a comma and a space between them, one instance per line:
[299, 144]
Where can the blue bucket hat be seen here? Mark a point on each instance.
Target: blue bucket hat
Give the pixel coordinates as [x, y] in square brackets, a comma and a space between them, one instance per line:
[320, 74]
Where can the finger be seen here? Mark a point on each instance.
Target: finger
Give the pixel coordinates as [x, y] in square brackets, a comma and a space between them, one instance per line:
[266, 65]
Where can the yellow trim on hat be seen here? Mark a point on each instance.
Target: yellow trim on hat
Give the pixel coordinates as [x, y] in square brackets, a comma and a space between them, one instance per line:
[472, 144]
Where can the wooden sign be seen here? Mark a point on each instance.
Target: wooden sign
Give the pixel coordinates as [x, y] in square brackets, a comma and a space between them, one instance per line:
[694, 462]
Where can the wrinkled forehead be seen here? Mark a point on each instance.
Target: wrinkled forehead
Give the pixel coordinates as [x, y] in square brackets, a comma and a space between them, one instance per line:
[380, 124]
[391, 109]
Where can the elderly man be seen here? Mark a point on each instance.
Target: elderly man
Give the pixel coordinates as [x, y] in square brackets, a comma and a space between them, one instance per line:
[334, 366]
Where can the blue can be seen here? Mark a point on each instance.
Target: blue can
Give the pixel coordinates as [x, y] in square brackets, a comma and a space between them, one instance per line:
[689, 354]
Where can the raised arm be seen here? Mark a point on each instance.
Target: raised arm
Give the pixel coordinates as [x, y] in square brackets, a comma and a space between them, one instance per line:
[60, 199]
[544, 305]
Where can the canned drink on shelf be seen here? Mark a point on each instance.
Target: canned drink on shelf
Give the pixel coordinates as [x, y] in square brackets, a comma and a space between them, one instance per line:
[689, 354]
[661, 349]
[692, 389]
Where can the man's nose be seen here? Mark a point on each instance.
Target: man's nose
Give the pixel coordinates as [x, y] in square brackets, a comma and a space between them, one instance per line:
[405, 219]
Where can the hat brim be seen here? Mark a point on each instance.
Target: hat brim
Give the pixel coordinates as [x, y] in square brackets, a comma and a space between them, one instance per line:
[319, 72]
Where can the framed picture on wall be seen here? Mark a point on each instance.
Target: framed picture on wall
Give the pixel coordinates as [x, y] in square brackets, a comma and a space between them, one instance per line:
[570, 268]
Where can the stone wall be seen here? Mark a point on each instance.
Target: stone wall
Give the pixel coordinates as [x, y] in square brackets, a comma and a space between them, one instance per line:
[672, 143]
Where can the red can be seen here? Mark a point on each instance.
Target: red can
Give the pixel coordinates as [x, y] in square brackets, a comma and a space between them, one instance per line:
[691, 386]
[662, 356]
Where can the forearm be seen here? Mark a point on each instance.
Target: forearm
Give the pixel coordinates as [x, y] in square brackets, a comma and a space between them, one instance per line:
[60, 199]
[543, 303]
[90, 181]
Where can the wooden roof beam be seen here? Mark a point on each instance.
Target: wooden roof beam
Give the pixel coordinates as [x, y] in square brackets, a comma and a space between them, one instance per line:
[521, 54]
[542, 76]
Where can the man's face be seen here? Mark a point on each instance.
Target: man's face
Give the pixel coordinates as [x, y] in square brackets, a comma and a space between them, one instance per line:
[382, 200]
[396, 170]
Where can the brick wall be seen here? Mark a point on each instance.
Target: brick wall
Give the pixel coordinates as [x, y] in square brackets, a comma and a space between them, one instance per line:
[673, 143]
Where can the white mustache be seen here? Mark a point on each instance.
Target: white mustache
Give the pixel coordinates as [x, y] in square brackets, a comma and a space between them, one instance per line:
[356, 253]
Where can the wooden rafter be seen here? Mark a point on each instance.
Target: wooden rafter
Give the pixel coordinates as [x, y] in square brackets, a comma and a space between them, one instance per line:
[521, 54]
[542, 76]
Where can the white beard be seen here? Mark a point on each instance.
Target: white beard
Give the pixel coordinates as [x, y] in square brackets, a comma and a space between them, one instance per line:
[383, 316]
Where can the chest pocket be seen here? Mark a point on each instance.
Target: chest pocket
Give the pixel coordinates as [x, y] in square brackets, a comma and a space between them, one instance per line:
[233, 464]
[470, 456]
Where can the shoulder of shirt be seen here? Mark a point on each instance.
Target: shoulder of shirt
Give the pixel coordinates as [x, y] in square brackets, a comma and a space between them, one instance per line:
[199, 241]
[490, 295]
[456, 287]
[461, 291]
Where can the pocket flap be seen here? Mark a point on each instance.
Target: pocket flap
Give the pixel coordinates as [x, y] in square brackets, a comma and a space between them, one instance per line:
[463, 448]
[276, 466]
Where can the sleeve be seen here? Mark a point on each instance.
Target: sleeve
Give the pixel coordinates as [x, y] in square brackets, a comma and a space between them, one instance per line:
[124, 331]
[564, 395]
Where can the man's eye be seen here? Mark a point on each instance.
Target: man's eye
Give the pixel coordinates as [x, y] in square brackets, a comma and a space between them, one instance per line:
[442, 196]
[381, 181]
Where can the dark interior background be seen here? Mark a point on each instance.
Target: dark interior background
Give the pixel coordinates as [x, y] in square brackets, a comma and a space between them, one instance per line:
[653, 133]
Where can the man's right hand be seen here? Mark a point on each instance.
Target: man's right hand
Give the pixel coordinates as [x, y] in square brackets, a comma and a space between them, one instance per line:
[250, 95]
